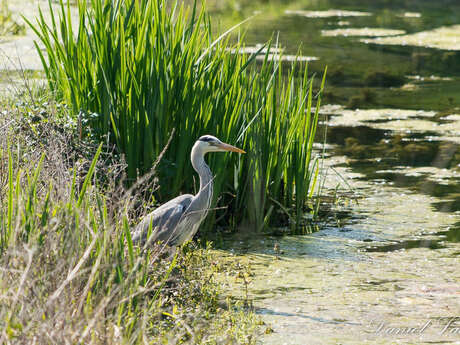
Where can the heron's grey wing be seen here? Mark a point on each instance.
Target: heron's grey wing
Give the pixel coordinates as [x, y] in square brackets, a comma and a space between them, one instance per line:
[164, 220]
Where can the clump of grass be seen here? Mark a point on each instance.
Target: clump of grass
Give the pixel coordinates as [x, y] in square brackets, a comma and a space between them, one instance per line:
[68, 270]
[137, 70]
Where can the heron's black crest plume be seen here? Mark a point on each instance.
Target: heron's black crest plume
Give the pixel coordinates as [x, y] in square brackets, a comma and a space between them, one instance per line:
[206, 138]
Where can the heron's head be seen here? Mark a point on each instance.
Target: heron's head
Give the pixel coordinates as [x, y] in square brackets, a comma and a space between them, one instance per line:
[208, 143]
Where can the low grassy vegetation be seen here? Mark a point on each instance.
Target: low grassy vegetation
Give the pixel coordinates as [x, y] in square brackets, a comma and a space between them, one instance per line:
[68, 270]
[8, 26]
[134, 71]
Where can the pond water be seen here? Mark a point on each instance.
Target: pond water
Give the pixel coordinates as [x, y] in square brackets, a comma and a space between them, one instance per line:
[385, 268]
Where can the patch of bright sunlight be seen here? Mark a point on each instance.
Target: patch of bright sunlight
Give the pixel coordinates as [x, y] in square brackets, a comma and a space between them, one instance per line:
[411, 15]
[369, 32]
[328, 13]
[255, 49]
[348, 117]
[445, 37]
[274, 54]
[290, 58]
[430, 78]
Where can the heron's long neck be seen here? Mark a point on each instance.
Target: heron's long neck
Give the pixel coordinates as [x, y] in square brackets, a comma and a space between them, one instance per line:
[204, 195]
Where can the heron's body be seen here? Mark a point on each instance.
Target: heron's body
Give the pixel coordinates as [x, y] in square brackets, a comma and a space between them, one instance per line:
[176, 221]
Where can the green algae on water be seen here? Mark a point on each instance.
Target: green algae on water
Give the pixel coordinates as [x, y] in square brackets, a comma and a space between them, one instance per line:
[369, 32]
[445, 37]
[328, 13]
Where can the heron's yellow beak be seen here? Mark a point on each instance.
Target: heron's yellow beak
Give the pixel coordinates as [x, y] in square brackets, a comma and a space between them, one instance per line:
[227, 147]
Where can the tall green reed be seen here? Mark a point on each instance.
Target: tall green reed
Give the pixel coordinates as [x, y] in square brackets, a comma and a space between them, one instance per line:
[136, 70]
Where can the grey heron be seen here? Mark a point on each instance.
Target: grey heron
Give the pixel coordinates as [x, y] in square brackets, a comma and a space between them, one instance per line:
[176, 221]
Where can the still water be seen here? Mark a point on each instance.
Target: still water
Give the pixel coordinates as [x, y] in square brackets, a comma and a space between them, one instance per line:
[385, 268]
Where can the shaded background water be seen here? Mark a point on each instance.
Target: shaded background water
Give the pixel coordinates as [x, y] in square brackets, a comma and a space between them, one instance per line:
[354, 65]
